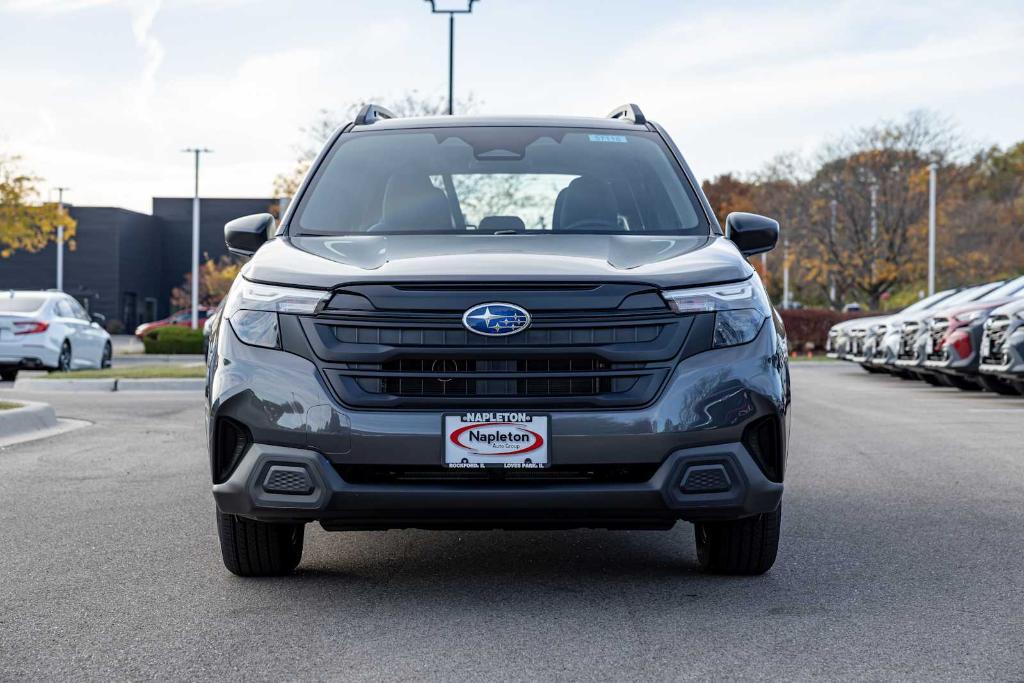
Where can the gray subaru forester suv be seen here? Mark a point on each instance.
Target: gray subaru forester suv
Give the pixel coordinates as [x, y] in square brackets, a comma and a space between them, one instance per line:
[498, 323]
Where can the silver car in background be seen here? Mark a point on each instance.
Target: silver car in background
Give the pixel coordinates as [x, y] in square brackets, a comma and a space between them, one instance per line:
[48, 331]
[1002, 345]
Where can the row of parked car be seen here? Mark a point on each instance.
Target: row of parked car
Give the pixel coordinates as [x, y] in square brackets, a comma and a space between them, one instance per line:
[970, 338]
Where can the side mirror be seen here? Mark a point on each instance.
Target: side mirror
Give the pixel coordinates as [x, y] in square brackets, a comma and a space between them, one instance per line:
[753, 234]
[98, 318]
[247, 234]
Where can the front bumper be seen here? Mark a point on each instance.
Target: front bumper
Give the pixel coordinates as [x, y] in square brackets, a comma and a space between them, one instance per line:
[700, 418]
[1013, 369]
[655, 503]
[959, 352]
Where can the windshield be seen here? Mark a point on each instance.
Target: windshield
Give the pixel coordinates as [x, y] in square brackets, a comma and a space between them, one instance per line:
[971, 294]
[20, 302]
[928, 301]
[1009, 289]
[499, 180]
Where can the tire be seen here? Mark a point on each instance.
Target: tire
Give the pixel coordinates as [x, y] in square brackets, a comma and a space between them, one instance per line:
[8, 375]
[742, 547]
[962, 383]
[1019, 386]
[932, 379]
[996, 385]
[252, 548]
[108, 354]
[64, 359]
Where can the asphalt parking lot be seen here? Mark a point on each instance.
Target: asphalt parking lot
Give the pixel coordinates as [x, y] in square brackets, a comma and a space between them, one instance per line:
[901, 559]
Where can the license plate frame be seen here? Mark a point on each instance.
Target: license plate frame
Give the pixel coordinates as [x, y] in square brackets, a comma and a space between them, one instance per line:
[506, 439]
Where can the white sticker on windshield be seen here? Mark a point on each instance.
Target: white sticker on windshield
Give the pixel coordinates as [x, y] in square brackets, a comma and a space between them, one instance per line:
[607, 138]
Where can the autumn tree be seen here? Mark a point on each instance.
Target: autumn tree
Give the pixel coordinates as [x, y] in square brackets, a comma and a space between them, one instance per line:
[26, 222]
[877, 180]
[215, 278]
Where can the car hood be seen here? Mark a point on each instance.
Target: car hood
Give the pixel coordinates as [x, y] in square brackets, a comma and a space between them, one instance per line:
[865, 323]
[976, 306]
[1017, 305]
[663, 261]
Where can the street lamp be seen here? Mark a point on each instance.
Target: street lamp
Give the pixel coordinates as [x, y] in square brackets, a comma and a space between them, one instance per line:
[60, 239]
[195, 235]
[451, 8]
[833, 205]
[932, 181]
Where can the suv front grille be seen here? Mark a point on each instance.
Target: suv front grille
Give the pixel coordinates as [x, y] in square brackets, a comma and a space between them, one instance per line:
[908, 339]
[599, 346]
[996, 329]
[938, 331]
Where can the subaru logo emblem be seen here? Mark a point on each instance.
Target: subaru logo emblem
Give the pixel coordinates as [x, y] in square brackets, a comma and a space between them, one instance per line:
[496, 319]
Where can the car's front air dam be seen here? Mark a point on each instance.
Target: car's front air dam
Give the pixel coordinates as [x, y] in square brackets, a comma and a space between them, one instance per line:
[721, 482]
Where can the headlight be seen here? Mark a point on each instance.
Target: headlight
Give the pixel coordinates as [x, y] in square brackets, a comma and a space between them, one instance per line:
[740, 309]
[252, 309]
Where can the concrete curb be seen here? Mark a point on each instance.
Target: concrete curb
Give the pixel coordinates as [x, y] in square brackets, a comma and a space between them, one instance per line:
[195, 384]
[169, 384]
[31, 384]
[159, 359]
[30, 417]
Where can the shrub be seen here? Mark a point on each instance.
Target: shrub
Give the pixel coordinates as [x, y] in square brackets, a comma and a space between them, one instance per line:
[115, 326]
[173, 339]
[811, 325]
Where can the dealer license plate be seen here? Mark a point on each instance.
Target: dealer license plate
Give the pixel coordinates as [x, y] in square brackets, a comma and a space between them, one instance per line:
[986, 346]
[508, 440]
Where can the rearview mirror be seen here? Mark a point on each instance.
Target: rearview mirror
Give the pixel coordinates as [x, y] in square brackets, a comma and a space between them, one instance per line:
[98, 318]
[247, 234]
[753, 234]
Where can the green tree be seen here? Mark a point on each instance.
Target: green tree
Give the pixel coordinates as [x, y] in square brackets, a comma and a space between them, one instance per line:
[26, 223]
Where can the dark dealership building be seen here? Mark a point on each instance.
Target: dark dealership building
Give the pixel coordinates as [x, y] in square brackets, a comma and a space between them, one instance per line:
[126, 263]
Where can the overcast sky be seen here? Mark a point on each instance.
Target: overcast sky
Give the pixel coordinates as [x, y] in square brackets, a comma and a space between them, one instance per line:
[100, 95]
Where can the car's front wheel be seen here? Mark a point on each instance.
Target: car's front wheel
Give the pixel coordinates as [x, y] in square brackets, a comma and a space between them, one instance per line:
[252, 548]
[108, 353]
[744, 547]
[996, 385]
[8, 374]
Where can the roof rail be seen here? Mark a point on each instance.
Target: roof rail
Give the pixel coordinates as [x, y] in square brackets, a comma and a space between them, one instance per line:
[372, 113]
[628, 111]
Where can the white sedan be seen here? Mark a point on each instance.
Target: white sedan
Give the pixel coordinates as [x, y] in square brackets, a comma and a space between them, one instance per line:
[48, 330]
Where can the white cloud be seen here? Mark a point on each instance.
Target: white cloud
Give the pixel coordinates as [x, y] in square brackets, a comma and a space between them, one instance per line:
[734, 86]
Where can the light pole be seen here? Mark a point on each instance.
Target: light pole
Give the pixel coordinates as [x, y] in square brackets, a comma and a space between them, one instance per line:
[451, 8]
[60, 239]
[832, 235]
[785, 273]
[195, 235]
[932, 181]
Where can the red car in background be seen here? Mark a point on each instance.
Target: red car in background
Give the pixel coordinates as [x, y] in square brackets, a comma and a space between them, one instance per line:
[179, 319]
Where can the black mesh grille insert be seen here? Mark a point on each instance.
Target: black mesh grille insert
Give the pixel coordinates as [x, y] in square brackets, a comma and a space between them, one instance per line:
[522, 377]
[567, 474]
